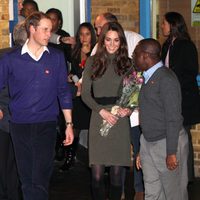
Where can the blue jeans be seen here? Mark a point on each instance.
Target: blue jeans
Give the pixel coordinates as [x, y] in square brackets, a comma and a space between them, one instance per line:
[34, 146]
[138, 177]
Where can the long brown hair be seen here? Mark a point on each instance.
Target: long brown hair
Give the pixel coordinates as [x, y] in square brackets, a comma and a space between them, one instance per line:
[178, 27]
[121, 58]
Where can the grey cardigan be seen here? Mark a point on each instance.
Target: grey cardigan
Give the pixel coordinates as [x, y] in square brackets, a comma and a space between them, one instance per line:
[160, 108]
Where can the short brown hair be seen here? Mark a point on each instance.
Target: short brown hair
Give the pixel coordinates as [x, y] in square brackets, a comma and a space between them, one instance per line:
[33, 20]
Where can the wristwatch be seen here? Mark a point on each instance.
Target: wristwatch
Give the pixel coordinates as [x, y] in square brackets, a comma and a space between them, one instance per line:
[69, 124]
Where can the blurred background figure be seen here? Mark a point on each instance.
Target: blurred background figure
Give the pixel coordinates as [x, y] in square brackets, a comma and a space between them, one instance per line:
[19, 34]
[180, 54]
[20, 6]
[29, 6]
[9, 181]
[85, 41]
[57, 23]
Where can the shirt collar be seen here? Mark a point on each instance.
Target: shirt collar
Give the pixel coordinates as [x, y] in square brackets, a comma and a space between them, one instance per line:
[25, 49]
[147, 74]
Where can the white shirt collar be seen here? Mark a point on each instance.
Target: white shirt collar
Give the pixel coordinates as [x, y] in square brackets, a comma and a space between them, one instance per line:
[25, 49]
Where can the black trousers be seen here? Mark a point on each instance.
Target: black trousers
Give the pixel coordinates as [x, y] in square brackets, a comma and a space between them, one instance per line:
[34, 146]
[9, 182]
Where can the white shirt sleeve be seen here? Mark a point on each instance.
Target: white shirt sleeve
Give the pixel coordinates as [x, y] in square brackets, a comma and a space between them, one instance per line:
[94, 50]
[132, 39]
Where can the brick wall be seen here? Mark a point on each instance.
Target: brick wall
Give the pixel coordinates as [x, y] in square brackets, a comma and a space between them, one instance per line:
[4, 24]
[127, 11]
[196, 145]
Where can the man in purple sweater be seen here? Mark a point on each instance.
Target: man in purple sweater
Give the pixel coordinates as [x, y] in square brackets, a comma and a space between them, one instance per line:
[37, 79]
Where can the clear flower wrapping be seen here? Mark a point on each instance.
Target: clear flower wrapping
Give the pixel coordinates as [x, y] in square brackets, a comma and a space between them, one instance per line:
[132, 83]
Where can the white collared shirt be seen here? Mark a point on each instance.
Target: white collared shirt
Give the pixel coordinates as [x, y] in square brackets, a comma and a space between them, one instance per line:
[25, 49]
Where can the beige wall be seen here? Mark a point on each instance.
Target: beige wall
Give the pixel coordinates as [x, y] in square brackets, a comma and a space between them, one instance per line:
[4, 24]
[127, 11]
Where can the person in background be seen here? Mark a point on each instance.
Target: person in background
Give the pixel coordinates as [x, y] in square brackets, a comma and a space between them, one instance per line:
[164, 141]
[57, 22]
[19, 34]
[9, 181]
[20, 6]
[180, 55]
[85, 41]
[102, 80]
[132, 39]
[37, 81]
[28, 7]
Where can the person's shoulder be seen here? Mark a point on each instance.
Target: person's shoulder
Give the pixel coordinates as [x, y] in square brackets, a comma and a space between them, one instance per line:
[53, 50]
[184, 44]
[166, 74]
[11, 51]
[90, 59]
[132, 34]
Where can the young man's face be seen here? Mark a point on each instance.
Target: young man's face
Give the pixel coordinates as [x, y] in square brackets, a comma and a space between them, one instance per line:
[42, 33]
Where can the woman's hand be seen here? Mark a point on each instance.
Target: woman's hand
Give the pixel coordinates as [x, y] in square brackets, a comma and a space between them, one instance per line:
[123, 112]
[79, 86]
[108, 116]
[86, 48]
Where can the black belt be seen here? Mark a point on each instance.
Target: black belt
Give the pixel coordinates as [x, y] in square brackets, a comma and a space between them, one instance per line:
[106, 100]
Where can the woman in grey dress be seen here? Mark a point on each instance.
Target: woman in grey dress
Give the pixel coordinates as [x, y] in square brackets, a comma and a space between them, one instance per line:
[102, 82]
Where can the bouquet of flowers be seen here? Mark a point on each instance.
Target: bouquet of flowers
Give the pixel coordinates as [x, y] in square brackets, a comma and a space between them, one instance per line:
[128, 99]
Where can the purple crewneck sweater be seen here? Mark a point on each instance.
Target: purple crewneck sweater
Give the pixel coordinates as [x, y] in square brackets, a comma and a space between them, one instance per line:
[35, 86]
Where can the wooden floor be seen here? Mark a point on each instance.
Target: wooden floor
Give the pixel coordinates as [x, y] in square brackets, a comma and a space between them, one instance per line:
[75, 184]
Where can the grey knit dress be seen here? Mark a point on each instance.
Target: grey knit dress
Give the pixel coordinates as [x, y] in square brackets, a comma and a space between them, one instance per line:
[113, 150]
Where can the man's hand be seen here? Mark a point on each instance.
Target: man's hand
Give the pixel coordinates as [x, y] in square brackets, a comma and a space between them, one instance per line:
[69, 136]
[69, 40]
[1, 114]
[171, 162]
[138, 162]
